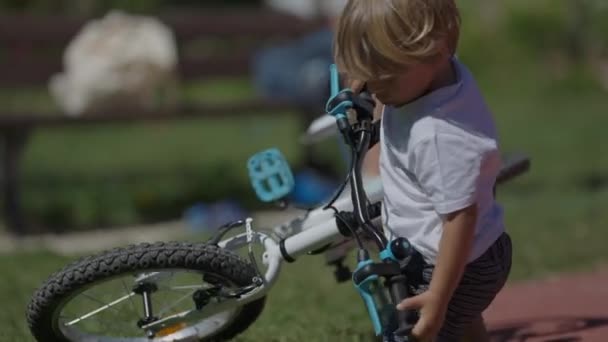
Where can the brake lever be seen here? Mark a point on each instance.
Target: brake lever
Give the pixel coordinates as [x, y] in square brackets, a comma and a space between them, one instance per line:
[364, 104]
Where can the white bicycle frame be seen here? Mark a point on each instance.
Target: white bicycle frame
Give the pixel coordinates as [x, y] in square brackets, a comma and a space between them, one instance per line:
[305, 233]
[302, 234]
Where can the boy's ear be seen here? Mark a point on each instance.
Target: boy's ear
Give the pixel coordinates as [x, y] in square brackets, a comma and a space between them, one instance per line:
[445, 50]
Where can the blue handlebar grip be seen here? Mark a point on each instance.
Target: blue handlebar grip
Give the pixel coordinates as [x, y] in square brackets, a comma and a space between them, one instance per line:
[339, 110]
[378, 307]
[372, 310]
[334, 79]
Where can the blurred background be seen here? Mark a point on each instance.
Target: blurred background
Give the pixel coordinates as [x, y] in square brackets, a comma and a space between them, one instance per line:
[116, 114]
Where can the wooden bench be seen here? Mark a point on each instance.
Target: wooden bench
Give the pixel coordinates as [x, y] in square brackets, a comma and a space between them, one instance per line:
[32, 52]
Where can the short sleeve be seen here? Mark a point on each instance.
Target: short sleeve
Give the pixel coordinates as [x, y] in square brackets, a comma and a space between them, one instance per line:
[453, 169]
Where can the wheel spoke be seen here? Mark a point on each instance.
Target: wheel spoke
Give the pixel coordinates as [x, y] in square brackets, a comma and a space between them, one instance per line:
[166, 293]
[103, 308]
[181, 299]
[98, 301]
[189, 287]
[124, 286]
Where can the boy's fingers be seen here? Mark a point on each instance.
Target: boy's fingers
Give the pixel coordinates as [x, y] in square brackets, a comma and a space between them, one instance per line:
[421, 332]
[411, 303]
[356, 85]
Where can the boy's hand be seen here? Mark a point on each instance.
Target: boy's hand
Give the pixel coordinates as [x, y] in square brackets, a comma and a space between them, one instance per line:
[432, 313]
[356, 86]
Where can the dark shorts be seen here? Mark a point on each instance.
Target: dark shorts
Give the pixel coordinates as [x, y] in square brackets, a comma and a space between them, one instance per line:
[482, 280]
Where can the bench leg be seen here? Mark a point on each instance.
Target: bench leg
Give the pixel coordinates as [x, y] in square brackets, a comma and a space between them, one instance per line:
[13, 143]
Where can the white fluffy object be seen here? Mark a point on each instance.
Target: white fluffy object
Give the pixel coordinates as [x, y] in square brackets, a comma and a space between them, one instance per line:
[120, 59]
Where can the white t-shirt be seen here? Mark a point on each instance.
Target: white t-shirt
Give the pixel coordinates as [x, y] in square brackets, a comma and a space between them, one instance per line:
[439, 154]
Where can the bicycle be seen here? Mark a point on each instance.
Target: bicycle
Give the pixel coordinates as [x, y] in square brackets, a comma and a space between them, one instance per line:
[221, 293]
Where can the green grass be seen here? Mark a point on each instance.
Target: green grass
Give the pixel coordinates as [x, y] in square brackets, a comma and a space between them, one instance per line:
[194, 144]
[24, 272]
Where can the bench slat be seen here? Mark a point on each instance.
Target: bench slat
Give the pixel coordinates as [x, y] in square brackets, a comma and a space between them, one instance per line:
[25, 120]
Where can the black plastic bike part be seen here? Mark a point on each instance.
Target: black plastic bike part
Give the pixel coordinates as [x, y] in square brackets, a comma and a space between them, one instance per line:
[375, 210]
[381, 269]
[406, 320]
[401, 248]
[342, 273]
[215, 239]
[141, 288]
[201, 298]
[346, 228]
[347, 217]
[344, 96]
[284, 253]
[344, 222]
[364, 105]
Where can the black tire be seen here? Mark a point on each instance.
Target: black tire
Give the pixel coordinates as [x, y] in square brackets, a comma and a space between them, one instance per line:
[209, 259]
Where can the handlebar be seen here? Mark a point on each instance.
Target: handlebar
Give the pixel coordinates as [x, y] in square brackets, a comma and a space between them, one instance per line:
[358, 136]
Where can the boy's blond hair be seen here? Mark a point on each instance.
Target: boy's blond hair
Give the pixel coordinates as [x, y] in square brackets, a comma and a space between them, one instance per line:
[380, 38]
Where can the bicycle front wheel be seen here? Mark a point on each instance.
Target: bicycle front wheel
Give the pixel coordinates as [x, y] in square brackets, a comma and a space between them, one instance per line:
[100, 297]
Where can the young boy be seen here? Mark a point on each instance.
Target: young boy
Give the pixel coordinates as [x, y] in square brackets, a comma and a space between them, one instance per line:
[439, 157]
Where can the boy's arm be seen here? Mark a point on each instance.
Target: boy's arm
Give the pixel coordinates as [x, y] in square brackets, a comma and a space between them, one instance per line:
[452, 172]
[454, 249]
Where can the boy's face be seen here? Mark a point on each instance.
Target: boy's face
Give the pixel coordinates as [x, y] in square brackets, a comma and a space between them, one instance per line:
[404, 87]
